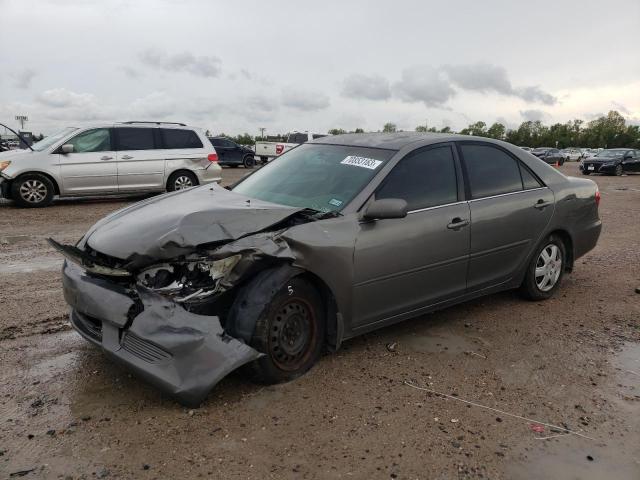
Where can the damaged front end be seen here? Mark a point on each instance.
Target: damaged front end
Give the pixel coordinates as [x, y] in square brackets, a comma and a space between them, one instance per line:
[168, 321]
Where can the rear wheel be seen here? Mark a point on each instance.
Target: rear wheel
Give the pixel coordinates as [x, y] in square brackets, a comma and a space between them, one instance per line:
[545, 270]
[181, 180]
[32, 190]
[248, 161]
[289, 332]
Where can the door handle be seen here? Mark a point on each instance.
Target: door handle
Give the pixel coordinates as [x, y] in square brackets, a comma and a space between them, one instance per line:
[106, 157]
[540, 204]
[126, 157]
[457, 223]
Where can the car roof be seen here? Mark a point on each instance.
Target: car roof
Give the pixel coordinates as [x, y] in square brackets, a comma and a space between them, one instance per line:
[390, 141]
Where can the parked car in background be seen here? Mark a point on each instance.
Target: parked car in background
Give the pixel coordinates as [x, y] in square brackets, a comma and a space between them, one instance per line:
[572, 154]
[269, 150]
[232, 154]
[129, 157]
[613, 161]
[295, 258]
[552, 156]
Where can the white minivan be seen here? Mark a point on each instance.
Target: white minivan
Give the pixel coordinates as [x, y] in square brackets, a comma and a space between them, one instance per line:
[120, 158]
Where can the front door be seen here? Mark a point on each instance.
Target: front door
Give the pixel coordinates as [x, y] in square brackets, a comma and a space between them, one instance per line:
[401, 265]
[91, 167]
[141, 162]
[510, 209]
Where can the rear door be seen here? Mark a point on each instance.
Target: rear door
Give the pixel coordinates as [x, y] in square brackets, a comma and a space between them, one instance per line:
[403, 264]
[140, 163]
[510, 208]
[91, 168]
[228, 152]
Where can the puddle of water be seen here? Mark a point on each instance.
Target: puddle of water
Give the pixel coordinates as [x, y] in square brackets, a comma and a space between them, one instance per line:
[37, 264]
[613, 456]
[445, 342]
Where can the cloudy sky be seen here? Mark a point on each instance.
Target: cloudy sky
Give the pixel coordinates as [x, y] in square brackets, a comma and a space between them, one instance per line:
[235, 66]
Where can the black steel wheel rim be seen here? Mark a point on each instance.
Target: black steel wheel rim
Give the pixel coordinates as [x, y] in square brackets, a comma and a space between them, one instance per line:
[292, 334]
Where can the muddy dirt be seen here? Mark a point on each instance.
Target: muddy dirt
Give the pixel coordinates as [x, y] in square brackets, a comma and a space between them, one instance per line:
[572, 362]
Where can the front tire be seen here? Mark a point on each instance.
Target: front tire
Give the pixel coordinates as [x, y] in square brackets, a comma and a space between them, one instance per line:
[290, 332]
[32, 190]
[618, 171]
[248, 161]
[181, 180]
[546, 269]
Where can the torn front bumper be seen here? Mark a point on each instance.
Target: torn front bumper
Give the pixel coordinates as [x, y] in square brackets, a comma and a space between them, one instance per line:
[182, 353]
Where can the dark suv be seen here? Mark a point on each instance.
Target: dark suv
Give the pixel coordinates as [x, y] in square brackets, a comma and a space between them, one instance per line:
[232, 154]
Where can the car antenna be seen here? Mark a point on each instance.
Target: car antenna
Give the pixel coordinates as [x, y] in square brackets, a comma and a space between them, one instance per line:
[18, 135]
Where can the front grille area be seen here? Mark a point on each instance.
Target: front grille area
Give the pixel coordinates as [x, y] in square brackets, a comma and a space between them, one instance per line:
[596, 168]
[144, 350]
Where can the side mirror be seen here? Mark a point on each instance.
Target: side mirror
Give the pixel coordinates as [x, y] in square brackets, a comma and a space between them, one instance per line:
[67, 148]
[386, 208]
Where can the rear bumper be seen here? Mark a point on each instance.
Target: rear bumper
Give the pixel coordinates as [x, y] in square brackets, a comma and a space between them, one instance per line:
[181, 353]
[586, 239]
[211, 174]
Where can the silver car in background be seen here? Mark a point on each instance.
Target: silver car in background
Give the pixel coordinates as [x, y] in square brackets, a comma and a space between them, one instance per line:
[120, 158]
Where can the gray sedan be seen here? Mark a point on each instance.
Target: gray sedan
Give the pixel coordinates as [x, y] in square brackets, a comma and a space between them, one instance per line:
[335, 238]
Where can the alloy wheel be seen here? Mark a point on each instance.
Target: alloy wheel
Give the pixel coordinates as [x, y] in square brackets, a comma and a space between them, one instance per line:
[548, 267]
[183, 182]
[33, 191]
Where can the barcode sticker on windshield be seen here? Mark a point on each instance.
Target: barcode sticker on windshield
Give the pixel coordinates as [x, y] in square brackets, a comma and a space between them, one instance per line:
[363, 162]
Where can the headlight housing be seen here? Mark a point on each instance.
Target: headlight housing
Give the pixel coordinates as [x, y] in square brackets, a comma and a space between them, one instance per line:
[4, 164]
[189, 280]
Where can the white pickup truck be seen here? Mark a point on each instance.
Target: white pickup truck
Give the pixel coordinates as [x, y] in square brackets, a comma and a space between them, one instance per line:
[268, 150]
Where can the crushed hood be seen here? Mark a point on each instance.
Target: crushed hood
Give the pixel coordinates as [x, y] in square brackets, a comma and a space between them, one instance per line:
[174, 224]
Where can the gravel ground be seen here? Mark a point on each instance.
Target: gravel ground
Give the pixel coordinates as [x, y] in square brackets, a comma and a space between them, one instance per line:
[573, 361]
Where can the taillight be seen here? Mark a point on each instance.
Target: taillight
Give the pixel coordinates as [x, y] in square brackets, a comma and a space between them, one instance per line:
[212, 157]
[597, 197]
[279, 149]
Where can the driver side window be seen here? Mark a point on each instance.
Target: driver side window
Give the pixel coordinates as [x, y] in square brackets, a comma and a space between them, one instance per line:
[423, 179]
[97, 140]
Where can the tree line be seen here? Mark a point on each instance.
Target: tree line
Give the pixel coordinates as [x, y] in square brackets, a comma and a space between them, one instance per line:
[608, 131]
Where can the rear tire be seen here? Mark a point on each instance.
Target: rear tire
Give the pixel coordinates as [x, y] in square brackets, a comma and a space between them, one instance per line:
[32, 190]
[545, 270]
[181, 180]
[248, 161]
[290, 332]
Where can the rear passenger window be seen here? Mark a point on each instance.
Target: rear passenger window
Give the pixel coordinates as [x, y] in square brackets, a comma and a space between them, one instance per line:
[135, 138]
[491, 171]
[176, 138]
[528, 179]
[424, 179]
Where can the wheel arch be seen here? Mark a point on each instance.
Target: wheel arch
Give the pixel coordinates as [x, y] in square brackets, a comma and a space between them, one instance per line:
[56, 187]
[566, 238]
[253, 296]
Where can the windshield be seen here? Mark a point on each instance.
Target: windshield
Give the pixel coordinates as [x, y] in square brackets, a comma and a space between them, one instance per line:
[52, 139]
[610, 153]
[321, 177]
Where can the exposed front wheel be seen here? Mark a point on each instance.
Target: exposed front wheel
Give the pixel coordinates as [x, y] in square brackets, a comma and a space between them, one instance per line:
[290, 332]
[545, 270]
[181, 180]
[248, 161]
[618, 171]
[32, 190]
